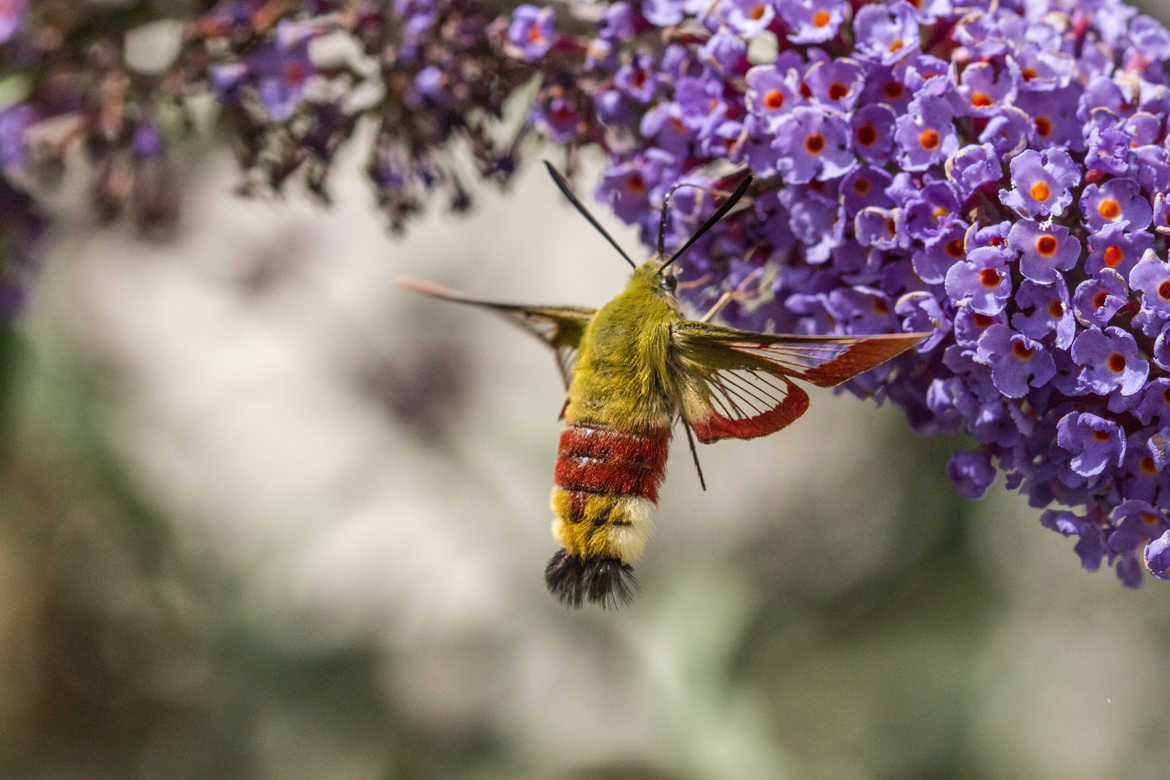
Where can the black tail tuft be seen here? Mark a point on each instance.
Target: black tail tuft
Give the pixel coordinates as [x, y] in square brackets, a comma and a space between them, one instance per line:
[565, 577]
[604, 581]
[609, 582]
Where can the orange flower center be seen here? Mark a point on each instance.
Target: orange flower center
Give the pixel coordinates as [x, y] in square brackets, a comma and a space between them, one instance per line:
[1166, 396]
[1164, 290]
[982, 320]
[1044, 126]
[1099, 299]
[1056, 310]
[867, 135]
[1023, 352]
[940, 212]
[1029, 74]
[837, 90]
[1046, 245]
[1101, 435]
[1109, 208]
[955, 248]
[1041, 191]
[757, 12]
[774, 99]
[989, 277]
[815, 143]
[821, 18]
[891, 226]
[1116, 362]
[534, 34]
[294, 72]
[929, 139]
[896, 45]
[893, 90]
[880, 306]
[636, 183]
[1113, 255]
[1148, 466]
[862, 186]
[980, 99]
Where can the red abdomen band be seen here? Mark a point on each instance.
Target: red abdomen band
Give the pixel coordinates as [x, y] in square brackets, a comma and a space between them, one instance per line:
[601, 461]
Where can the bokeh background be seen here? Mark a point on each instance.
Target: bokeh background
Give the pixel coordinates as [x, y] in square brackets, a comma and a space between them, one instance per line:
[264, 514]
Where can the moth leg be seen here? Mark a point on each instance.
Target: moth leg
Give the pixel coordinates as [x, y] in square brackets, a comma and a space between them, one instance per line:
[694, 455]
[739, 293]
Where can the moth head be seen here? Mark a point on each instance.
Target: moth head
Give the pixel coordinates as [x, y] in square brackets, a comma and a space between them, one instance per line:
[668, 282]
[648, 276]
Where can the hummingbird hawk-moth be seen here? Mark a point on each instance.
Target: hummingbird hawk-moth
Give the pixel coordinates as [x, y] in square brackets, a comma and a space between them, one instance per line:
[634, 367]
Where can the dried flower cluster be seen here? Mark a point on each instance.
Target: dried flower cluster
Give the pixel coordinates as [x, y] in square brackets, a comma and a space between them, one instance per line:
[292, 80]
[995, 172]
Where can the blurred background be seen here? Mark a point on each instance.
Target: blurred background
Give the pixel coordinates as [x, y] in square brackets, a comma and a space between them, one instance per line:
[264, 514]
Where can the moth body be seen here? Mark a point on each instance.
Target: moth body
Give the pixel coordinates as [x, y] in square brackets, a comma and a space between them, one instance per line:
[631, 370]
[612, 454]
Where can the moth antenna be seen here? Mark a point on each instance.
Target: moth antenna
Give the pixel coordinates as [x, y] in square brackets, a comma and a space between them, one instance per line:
[666, 208]
[695, 455]
[727, 206]
[563, 186]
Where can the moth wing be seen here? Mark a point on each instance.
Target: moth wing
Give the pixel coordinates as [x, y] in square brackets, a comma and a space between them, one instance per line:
[738, 383]
[561, 327]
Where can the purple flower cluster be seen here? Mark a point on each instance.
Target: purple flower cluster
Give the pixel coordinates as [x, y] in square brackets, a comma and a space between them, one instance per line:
[996, 173]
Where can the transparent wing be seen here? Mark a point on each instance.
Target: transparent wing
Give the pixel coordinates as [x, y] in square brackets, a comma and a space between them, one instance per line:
[738, 403]
[561, 327]
[738, 384]
[823, 360]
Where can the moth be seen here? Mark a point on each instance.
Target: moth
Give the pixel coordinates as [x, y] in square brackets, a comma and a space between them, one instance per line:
[631, 370]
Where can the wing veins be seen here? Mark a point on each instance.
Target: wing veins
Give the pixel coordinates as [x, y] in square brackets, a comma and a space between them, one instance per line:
[717, 402]
[765, 378]
[747, 401]
[750, 390]
[758, 378]
[726, 404]
[748, 386]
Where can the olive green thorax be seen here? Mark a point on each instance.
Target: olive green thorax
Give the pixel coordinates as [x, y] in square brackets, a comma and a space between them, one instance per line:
[621, 380]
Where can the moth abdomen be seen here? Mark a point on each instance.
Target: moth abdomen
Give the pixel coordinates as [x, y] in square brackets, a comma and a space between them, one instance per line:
[606, 487]
[597, 460]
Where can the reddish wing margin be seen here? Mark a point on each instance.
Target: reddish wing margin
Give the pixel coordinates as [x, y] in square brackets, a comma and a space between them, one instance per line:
[737, 383]
[561, 327]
